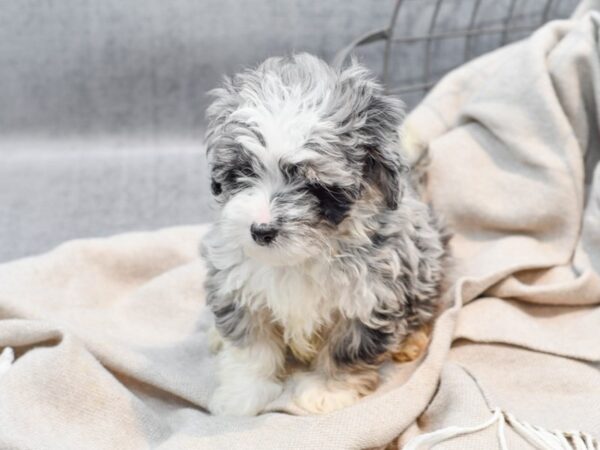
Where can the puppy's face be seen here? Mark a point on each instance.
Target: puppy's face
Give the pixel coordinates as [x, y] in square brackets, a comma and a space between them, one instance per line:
[293, 145]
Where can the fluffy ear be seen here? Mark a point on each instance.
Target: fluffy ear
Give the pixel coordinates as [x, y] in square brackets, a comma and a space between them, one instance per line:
[226, 101]
[376, 118]
[384, 164]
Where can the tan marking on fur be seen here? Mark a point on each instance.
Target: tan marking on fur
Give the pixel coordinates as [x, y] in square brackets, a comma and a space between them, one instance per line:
[413, 346]
[363, 381]
[305, 352]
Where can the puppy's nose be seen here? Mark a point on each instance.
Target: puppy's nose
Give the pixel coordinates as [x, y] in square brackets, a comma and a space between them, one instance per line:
[263, 233]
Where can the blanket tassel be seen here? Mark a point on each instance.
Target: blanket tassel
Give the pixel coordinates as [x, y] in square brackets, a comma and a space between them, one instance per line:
[538, 437]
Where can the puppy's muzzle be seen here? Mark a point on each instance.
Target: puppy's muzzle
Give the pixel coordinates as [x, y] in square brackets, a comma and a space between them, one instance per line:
[263, 233]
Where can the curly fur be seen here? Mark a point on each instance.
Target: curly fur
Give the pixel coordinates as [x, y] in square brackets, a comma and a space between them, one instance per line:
[356, 264]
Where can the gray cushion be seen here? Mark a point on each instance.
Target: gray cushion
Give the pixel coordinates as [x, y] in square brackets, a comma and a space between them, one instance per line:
[54, 191]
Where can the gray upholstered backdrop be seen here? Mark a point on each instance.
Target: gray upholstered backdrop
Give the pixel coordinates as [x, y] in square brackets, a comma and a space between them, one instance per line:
[102, 102]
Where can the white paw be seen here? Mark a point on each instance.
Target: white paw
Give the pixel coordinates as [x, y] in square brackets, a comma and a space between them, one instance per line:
[244, 399]
[316, 395]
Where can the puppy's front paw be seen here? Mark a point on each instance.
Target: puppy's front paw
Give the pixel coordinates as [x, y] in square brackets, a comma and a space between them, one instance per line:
[316, 395]
[244, 399]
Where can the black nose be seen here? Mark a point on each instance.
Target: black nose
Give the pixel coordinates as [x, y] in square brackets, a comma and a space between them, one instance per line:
[263, 233]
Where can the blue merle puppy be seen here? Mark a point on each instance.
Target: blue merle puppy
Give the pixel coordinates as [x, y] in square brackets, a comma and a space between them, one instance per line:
[322, 254]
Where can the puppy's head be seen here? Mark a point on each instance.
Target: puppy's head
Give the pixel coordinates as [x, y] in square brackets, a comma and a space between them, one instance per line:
[293, 146]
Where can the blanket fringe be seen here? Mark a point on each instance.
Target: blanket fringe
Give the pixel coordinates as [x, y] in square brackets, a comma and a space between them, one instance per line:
[538, 437]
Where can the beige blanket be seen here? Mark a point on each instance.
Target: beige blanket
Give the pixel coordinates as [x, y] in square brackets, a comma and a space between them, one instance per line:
[110, 334]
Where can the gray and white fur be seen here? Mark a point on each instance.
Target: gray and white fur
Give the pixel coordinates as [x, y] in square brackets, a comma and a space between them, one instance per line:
[322, 253]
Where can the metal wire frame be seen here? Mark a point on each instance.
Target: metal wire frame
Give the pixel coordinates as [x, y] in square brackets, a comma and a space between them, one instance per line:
[476, 27]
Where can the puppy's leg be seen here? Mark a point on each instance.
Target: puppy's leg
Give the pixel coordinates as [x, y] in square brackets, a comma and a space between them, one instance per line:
[321, 392]
[345, 369]
[247, 377]
[248, 365]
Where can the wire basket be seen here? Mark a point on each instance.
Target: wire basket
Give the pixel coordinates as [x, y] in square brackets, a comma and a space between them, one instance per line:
[427, 38]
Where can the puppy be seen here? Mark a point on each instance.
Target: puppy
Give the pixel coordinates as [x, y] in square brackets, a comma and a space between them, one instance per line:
[322, 253]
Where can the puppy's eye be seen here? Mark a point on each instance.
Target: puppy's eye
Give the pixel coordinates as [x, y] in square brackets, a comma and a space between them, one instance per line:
[247, 171]
[216, 187]
[334, 202]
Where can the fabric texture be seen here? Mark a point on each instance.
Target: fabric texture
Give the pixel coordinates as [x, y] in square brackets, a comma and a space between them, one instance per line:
[110, 335]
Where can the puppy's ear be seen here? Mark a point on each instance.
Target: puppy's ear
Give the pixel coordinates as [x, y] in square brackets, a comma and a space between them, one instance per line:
[384, 164]
[376, 120]
[226, 101]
